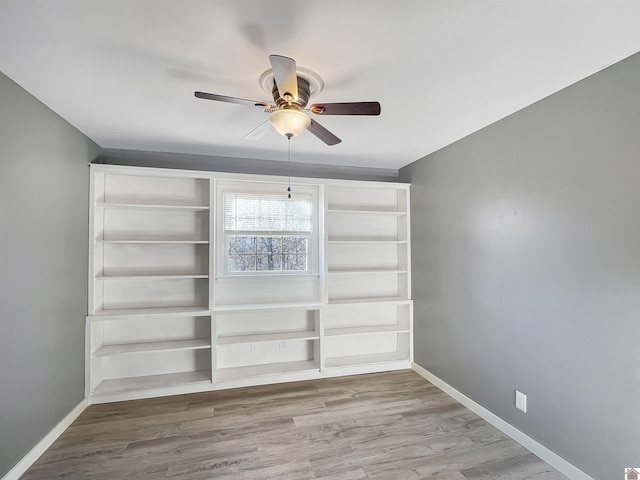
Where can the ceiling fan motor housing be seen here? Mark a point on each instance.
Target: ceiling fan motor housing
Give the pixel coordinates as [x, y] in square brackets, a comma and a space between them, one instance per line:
[300, 102]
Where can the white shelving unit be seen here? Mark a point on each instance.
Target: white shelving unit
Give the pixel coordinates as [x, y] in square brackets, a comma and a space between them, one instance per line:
[275, 339]
[368, 318]
[150, 242]
[367, 243]
[368, 333]
[163, 321]
[149, 326]
[141, 352]
[111, 389]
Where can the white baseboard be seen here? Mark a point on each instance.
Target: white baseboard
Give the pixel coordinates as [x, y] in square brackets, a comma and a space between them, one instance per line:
[557, 462]
[35, 453]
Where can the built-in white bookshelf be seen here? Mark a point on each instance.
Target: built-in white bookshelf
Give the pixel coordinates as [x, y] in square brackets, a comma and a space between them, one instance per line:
[367, 333]
[367, 243]
[150, 242]
[131, 353]
[254, 342]
[149, 324]
[368, 317]
[165, 318]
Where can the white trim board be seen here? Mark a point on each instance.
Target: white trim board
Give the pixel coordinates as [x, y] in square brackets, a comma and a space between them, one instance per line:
[35, 453]
[553, 459]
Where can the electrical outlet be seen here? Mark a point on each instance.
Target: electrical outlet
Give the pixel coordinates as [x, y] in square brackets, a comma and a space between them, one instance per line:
[521, 401]
[280, 345]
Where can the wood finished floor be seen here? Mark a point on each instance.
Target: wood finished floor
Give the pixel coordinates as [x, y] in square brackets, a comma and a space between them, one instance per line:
[384, 426]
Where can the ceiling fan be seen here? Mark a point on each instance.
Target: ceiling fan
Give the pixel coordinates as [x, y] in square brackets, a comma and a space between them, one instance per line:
[292, 87]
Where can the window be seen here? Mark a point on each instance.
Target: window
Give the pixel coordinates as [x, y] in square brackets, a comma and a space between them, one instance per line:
[266, 232]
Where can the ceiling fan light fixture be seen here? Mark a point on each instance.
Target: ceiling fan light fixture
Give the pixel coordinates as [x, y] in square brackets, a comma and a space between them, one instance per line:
[289, 122]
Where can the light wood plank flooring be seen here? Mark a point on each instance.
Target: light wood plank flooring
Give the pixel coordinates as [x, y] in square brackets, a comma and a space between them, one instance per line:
[384, 426]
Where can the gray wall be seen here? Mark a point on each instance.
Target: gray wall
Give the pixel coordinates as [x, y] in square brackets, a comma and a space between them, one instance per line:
[244, 165]
[526, 268]
[43, 269]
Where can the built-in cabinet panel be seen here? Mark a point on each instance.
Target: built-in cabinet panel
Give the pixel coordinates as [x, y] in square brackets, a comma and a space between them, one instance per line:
[164, 190]
[366, 255]
[376, 199]
[366, 286]
[341, 227]
[256, 342]
[367, 333]
[154, 329]
[267, 290]
[127, 351]
[178, 259]
[149, 292]
[164, 320]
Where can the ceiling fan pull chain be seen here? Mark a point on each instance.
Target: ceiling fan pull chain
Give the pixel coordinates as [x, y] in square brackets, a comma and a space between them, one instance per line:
[289, 135]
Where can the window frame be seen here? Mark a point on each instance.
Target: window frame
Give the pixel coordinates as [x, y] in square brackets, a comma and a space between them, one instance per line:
[266, 188]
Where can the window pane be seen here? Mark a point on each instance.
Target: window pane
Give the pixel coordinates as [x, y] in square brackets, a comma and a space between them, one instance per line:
[247, 253]
[269, 262]
[269, 245]
[295, 262]
[277, 246]
[296, 245]
[242, 263]
[267, 212]
[234, 263]
[239, 245]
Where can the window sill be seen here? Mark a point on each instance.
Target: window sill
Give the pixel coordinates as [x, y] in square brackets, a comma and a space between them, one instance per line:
[259, 276]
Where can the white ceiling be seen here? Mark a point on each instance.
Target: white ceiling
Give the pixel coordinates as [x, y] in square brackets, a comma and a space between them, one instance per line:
[124, 72]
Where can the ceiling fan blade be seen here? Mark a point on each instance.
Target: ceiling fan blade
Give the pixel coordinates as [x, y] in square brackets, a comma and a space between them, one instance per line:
[323, 134]
[223, 98]
[285, 75]
[259, 131]
[346, 108]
